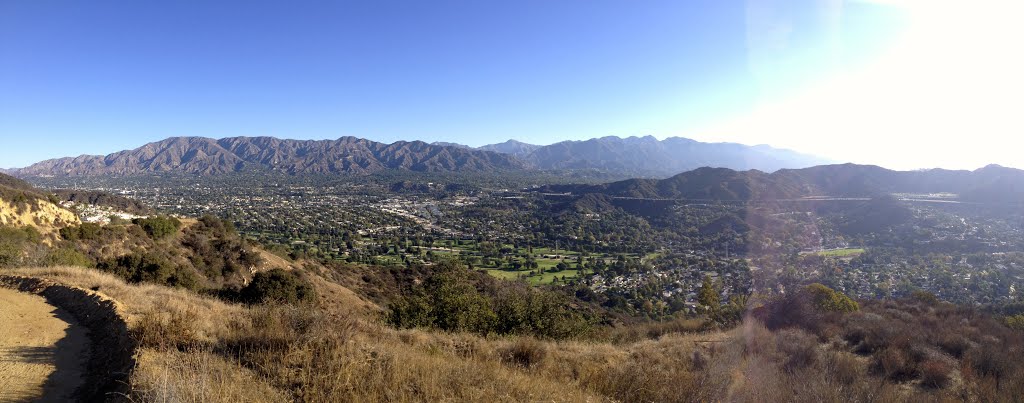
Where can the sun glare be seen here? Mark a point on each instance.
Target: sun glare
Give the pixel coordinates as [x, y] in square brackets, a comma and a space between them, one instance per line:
[949, 89]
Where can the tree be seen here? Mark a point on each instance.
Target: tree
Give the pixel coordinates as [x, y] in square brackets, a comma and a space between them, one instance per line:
[829, 300]
[708, 295]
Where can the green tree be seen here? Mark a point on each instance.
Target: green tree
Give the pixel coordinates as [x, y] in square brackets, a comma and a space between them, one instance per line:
[708, 294]
[830, 300]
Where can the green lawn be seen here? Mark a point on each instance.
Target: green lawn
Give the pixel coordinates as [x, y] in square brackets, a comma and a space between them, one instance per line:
[848, 252]
[505, 275]
[547, 277]
[544, 278]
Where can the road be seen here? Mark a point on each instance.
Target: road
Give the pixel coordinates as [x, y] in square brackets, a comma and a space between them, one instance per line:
[43, 349]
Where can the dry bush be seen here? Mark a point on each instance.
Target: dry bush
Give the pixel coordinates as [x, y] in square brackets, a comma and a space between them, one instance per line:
[991, 361]
[870, 333]
[798, 348]
[953, 344]
[935, 374]
[633, 333]
[166, 330]
[525, 353]
[758, 340]
[895, 364]
[843, 368]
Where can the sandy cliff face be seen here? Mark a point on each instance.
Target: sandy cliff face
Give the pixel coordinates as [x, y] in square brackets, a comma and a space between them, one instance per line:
[45, 216]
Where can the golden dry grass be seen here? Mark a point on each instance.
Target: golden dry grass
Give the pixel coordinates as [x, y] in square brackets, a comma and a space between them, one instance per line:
[201, 349]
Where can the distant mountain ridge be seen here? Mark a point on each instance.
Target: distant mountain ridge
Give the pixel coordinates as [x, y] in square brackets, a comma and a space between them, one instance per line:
[515, 148]
[200, 155]
[618, 157]
[650, 157]
[989, 184]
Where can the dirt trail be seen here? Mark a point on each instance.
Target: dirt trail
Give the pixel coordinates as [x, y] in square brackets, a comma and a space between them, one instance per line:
[43, 349]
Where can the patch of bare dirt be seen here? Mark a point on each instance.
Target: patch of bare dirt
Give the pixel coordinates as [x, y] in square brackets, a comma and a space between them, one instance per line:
[43, 349]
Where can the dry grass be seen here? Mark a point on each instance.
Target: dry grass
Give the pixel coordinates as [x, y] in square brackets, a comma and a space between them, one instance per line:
[201, 349]
[197, 376]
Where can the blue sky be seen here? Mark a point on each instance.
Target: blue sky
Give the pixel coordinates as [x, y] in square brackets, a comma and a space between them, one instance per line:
[95, 77]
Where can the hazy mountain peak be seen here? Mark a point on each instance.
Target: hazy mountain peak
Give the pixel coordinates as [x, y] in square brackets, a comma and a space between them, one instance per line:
[649, 157]
[512, 147]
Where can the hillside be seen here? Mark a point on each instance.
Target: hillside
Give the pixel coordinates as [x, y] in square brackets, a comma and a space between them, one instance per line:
[197, 348]
[989, 184]
[198, 155]
[21, 206]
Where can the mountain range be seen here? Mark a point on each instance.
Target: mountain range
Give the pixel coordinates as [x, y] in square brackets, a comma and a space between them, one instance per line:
[199, 155]
[650, 157]
[622, 157]
[989, 184]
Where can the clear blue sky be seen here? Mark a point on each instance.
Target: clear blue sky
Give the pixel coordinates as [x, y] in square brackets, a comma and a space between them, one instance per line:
[98, 76]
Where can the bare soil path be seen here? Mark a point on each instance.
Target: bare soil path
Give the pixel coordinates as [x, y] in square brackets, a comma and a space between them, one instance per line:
[43, 349]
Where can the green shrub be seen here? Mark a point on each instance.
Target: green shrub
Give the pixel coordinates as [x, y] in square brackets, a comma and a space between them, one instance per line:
[276, 286]
[151, 267]
[86, 231]
[14, 242]
[11, 242]
[830, 300]
[925, 297]
[1015, 322]
[66, 256]
[158, 227]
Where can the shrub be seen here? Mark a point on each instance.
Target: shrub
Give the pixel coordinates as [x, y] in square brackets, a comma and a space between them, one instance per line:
[989, 360]
[87, 231]
[158, 227]
[169, 329]
[1015, 322]
[842, 367]
[935, 374]
[12, 246]
[924, 297]
[799, 348]
[454, 298]
[830, 300]
[65, 256]
[151, 267]
[455, 304]
[525, 352]
[276, 286]
[954, 345]
[894, 363]
[790, 310]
